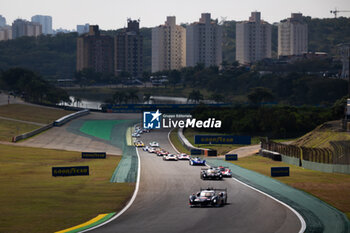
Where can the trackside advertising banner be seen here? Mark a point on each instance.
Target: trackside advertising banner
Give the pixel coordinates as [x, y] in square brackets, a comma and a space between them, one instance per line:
[93, 155]
[70, 171]
[222, 139]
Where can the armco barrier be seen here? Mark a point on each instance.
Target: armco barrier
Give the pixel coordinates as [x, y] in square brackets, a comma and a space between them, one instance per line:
[69, 117]
[58, 122]
[187, 144]
[32, 133]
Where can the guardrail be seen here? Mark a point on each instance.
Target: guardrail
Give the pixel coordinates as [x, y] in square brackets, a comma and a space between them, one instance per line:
[335, 159]
[58, 122]
[69, 117]
[194, 150]
[32, 133]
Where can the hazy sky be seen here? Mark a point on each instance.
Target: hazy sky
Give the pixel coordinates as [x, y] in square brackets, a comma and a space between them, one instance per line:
[112, 14]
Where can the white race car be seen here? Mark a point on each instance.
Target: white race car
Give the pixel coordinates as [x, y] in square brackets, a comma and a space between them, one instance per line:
[152, 150]
[170, 157]
[154, 144]
[183, 156]
[135, 135]
[146, 148]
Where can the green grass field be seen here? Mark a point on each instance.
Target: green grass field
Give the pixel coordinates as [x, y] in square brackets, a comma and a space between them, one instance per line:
[8, 129]
[176, 142]
[221, 149]
[333, 188]
[32, 113]
[31, 200]
[322, 135]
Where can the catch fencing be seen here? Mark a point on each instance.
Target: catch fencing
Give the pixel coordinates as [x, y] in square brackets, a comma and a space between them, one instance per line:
[339, 153]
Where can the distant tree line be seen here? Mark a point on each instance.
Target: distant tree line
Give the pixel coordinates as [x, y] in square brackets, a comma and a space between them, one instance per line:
[55, 56]
[31, 86]
[239, 85]
[271, 121]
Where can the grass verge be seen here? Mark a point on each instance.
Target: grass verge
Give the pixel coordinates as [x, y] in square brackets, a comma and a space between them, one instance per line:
[333, 188]
[221, 149]
[322, 135]
[32, 113]
[8, 129]
[32, 200]
[176, 142]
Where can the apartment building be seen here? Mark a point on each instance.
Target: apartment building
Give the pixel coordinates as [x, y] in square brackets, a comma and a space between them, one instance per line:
[253, 39]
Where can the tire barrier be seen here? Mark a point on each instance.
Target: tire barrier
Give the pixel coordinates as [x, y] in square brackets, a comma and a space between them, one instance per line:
[335, 159]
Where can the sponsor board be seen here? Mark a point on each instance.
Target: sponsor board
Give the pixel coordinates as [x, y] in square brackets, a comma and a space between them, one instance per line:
[93, 155]
[231, 157]
[222, 139]
[279, 171]
[196, 152]
[70, 171]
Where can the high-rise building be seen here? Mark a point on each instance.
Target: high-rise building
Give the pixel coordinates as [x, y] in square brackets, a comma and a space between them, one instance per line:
[5, 33]
[203, 42]
[253, 39]
[292, 36]
[22, 27]
[45, 21]
[2, 21]
[168, 46]
[128, 50]
[81, 29]
[95, 51]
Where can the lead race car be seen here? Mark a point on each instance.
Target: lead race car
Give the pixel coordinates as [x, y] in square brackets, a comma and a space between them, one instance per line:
[212, 173]
[209, 197]
[197, 161]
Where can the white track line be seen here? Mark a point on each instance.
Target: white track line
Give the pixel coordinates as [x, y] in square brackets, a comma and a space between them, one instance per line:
[301, 219]
[131, 200]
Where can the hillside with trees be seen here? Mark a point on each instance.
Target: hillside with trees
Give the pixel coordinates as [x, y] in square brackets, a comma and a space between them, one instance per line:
[54, 57]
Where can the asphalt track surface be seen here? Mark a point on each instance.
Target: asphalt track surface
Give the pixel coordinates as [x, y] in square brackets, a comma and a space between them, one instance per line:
[68, 136]
[161, 204]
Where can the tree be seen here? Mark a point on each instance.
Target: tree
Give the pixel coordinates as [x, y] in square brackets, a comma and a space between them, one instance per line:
[119, 97]
[146, 97]
[217, 97]
[133, 96]
[259, 95]
[195, 96]
[174, 77]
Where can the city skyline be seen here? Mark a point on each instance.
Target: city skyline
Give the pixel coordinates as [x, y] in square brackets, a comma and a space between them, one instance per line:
[113, 14]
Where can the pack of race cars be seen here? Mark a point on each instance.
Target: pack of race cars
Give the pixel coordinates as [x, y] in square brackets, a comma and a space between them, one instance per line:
[205, 197]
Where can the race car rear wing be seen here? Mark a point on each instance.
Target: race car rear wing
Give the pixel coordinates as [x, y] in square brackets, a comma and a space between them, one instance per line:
[211, 188]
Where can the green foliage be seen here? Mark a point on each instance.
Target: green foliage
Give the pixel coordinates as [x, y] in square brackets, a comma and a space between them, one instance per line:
[32, 86]
[195, 96]
[52, 56]
[259, 95]
[325, 34]
[271, 121]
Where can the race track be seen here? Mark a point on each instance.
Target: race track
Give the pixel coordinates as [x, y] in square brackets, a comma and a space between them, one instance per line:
[161, 204]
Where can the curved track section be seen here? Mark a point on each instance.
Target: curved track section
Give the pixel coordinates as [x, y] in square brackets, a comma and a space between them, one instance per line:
[162, 202]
